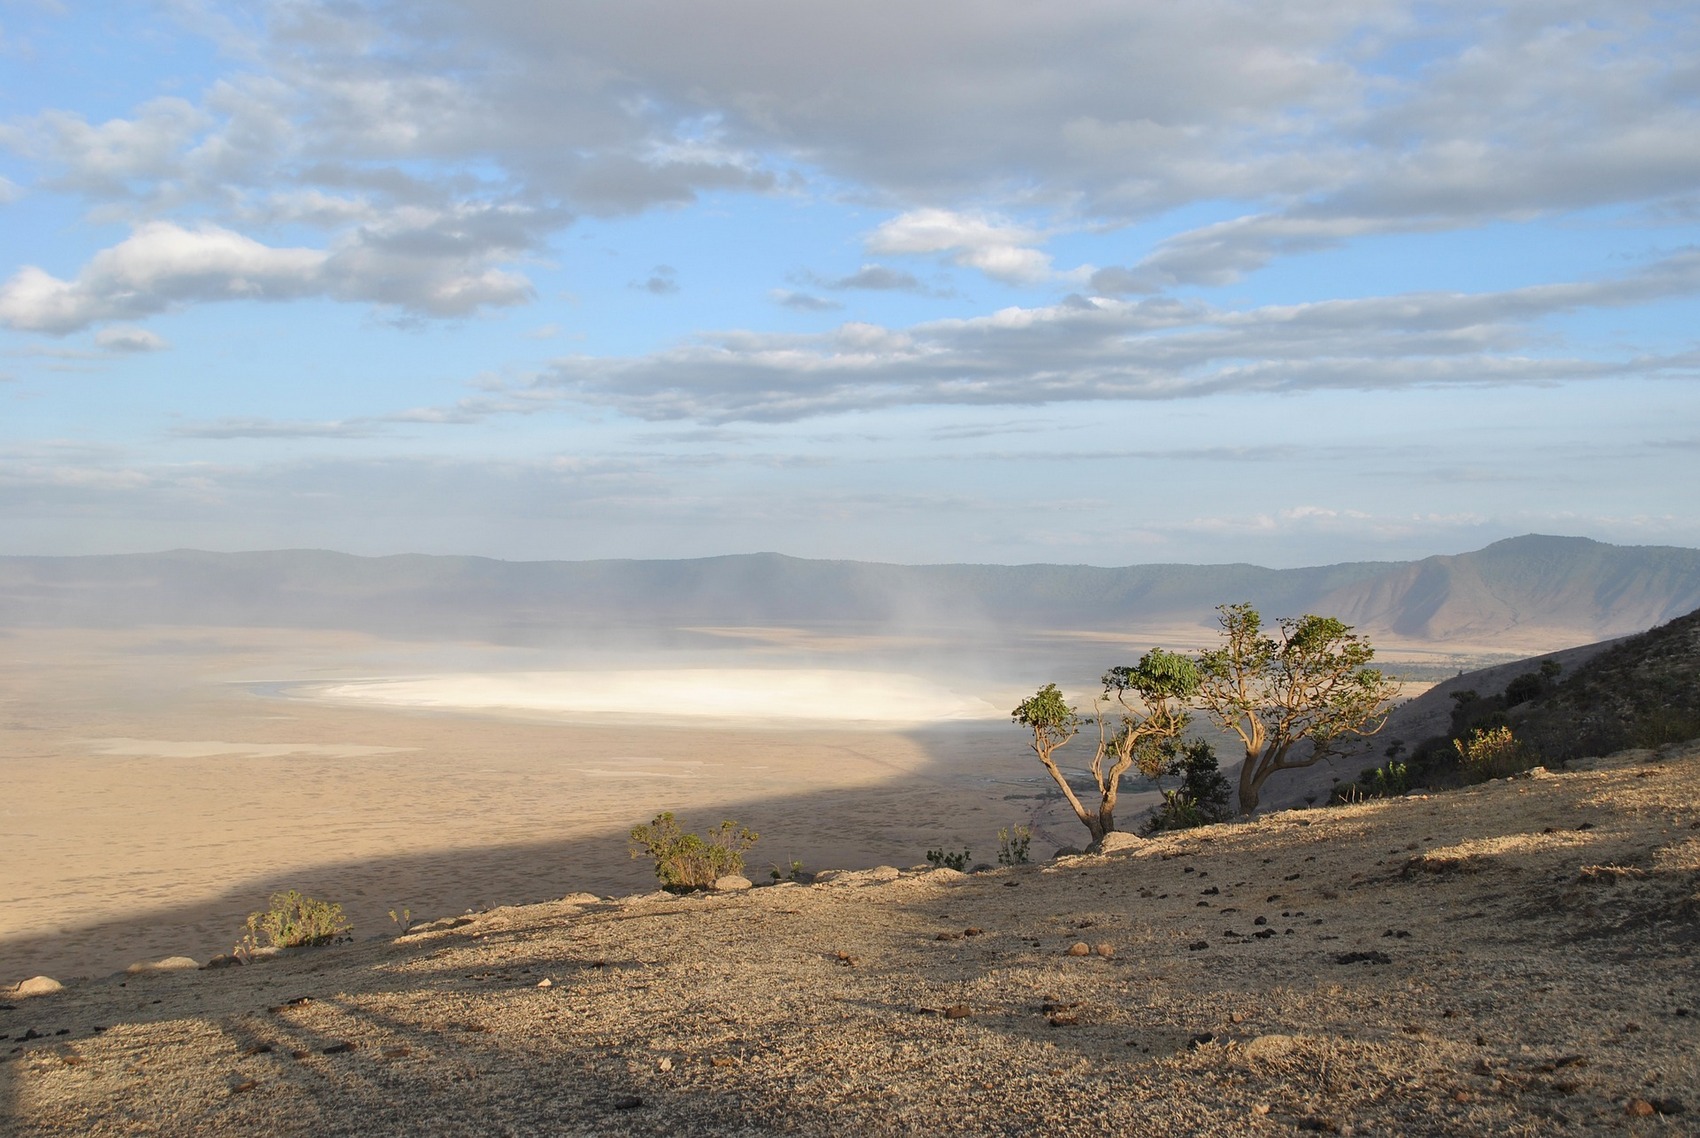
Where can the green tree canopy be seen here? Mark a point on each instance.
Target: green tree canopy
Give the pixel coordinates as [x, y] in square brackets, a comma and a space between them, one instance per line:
[1310, 684]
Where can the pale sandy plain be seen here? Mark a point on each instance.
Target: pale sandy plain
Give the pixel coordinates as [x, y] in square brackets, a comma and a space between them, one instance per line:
[160, 784]
[1513, 959]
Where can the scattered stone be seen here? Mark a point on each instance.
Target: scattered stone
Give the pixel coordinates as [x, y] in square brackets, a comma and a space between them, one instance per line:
[731, 883]
[257, 1049]
[1362, 958]
[1198, 946]
[1260, 1109]
[581, 899]
[664, 1064]
[546, 983]
[1398, 934]
[299, 1054]
[846, 959]
[238, 1086]
[957, 1011]
[1236, 1017]
[38, 986]
[1105, 949]
[1669, 1106]
[721, 1061]
[1194, 1042]
[1261, 921]
[628, 1102]
[973, 932]
[1079, 948]
[341, 1047]
[1639, 1108]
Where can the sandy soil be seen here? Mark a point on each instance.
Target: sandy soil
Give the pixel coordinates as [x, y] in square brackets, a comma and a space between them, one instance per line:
[151, 803]
[1516, 958]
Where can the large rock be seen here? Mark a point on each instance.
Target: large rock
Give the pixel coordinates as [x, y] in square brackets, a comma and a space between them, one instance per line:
[38, 986]
[1116, 840]
[169, 964]
[731, 883]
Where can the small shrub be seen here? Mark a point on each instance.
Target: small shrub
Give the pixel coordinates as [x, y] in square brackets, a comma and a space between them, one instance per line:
[1012, 845]
[292, 921]
[403, 919]
[1493, 753]
[1665, 725]
[685, 861]
[790, 874]
[1389, 781]
[946, 860]
[1203, 796]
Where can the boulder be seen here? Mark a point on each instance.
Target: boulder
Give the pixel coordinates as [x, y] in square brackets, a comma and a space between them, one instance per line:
[38, 986]
[731, 883]
[1117, 840]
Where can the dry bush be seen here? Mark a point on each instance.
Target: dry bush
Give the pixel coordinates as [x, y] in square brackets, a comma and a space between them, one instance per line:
[1494, 753]
[294, 920]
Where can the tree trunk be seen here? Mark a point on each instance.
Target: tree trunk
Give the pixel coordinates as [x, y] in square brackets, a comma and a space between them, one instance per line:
[1250, 784]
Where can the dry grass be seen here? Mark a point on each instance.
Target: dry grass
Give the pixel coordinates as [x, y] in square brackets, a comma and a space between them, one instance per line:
[1539, 939]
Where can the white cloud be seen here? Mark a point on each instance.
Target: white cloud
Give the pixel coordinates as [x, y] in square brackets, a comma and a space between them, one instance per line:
[424, 267]
[1151, 349]
[129, 338]
[996, 247]
[432, 145]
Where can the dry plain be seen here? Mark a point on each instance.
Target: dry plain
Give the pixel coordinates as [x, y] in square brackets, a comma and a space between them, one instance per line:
[160, 784]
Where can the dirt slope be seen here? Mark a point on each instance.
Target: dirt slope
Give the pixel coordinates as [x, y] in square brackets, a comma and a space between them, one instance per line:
[1517, 958]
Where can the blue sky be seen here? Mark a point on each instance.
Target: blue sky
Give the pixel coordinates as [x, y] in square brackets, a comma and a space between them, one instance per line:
[990, 281]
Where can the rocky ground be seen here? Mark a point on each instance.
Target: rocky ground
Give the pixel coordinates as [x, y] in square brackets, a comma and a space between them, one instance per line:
[1516, 958]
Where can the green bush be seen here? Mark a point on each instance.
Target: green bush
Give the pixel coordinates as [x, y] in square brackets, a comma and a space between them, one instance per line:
[1203, 796]
[1012, 845]
[947, 860]
[295, 920]
[1389, 781]
[1494, 753]
[684, 861]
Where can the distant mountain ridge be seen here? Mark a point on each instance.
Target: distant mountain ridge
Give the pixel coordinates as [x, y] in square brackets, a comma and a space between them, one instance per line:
[1554, 586]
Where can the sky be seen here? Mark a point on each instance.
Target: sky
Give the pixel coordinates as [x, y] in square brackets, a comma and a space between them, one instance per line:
[993, 281]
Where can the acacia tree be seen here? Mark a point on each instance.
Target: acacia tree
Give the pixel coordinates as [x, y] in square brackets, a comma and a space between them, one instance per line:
[1310, 684]
[1162, 682]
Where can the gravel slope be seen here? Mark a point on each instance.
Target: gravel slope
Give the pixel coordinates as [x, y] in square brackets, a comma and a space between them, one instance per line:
[1514, 958]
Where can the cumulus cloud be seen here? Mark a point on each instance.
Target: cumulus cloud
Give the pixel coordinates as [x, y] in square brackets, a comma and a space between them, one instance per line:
[803, 302]
[129, 338]
[432, 145]
[997, 247]
[163, 264]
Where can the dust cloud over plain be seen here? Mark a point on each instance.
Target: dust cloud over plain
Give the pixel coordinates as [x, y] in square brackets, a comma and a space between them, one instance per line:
[162, 783]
